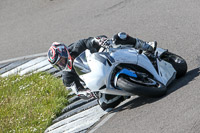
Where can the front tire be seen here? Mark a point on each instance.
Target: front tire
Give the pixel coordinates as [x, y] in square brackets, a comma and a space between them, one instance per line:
[177, 62]
[141, 90]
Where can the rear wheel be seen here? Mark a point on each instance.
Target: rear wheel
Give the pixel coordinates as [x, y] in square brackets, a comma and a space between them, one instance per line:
[177, 62]
[150, 87]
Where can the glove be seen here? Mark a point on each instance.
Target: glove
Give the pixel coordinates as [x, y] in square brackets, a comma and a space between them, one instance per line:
[105, 43]
[102, 41]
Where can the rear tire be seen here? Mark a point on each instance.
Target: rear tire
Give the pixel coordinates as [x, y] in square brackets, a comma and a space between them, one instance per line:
[141, 90]
[107, 97]
[177, 62]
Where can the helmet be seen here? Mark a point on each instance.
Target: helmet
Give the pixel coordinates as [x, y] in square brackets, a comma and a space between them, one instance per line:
[58, 55]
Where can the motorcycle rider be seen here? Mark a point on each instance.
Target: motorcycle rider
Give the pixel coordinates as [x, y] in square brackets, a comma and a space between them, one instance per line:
[62, 56]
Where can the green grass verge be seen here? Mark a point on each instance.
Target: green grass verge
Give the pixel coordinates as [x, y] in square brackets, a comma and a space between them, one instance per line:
[29, 103]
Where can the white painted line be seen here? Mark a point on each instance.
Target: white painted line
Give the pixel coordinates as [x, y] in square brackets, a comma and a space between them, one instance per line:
[44, 68]
[34, 67]
[110, 115]
[78, 122]
[13, 65]
[23, 57]
[24, 66]
[102, 122]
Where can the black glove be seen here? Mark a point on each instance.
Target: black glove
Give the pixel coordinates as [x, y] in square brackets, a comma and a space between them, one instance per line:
[106, 43]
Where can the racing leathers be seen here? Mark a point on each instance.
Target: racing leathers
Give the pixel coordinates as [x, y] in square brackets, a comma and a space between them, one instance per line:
[72, 80]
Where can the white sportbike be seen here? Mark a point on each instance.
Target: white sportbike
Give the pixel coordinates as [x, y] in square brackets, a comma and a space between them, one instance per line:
[125, 71]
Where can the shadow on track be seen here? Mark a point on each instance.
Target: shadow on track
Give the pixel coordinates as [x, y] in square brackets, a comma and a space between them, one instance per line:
[177, 84]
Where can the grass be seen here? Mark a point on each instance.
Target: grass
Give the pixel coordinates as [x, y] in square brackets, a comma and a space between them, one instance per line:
[29, 103]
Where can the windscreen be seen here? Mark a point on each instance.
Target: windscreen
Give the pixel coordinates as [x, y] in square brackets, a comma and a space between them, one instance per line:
[80, 64]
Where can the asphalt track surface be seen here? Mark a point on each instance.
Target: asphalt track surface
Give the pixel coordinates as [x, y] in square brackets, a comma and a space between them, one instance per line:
[29, 27]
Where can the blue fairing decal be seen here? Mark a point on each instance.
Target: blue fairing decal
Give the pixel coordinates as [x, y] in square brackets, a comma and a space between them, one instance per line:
[126, 72]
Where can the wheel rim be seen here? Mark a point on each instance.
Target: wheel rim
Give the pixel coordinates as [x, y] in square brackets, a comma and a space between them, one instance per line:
[148, 81]
[177, 59]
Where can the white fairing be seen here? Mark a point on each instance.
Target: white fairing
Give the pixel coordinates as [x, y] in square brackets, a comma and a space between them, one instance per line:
[101, 71]
[125, 55]
[96, 78]
[144, 62]
[166, 72]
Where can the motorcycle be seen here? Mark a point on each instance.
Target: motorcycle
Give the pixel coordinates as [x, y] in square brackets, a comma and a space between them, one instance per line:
[125, 71]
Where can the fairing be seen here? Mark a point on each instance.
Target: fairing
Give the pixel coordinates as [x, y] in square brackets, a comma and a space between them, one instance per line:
[80, 64]
[97, 68]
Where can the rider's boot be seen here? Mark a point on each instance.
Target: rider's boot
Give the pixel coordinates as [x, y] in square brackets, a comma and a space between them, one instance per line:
[81, 91]
[85, 94]
[146, 46]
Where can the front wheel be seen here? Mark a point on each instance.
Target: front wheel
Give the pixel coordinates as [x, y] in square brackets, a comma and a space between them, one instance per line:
[177, 62]
[150, 89]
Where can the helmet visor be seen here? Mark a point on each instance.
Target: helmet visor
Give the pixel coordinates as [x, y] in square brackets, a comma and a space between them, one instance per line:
[65, 61]
[61, 64]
